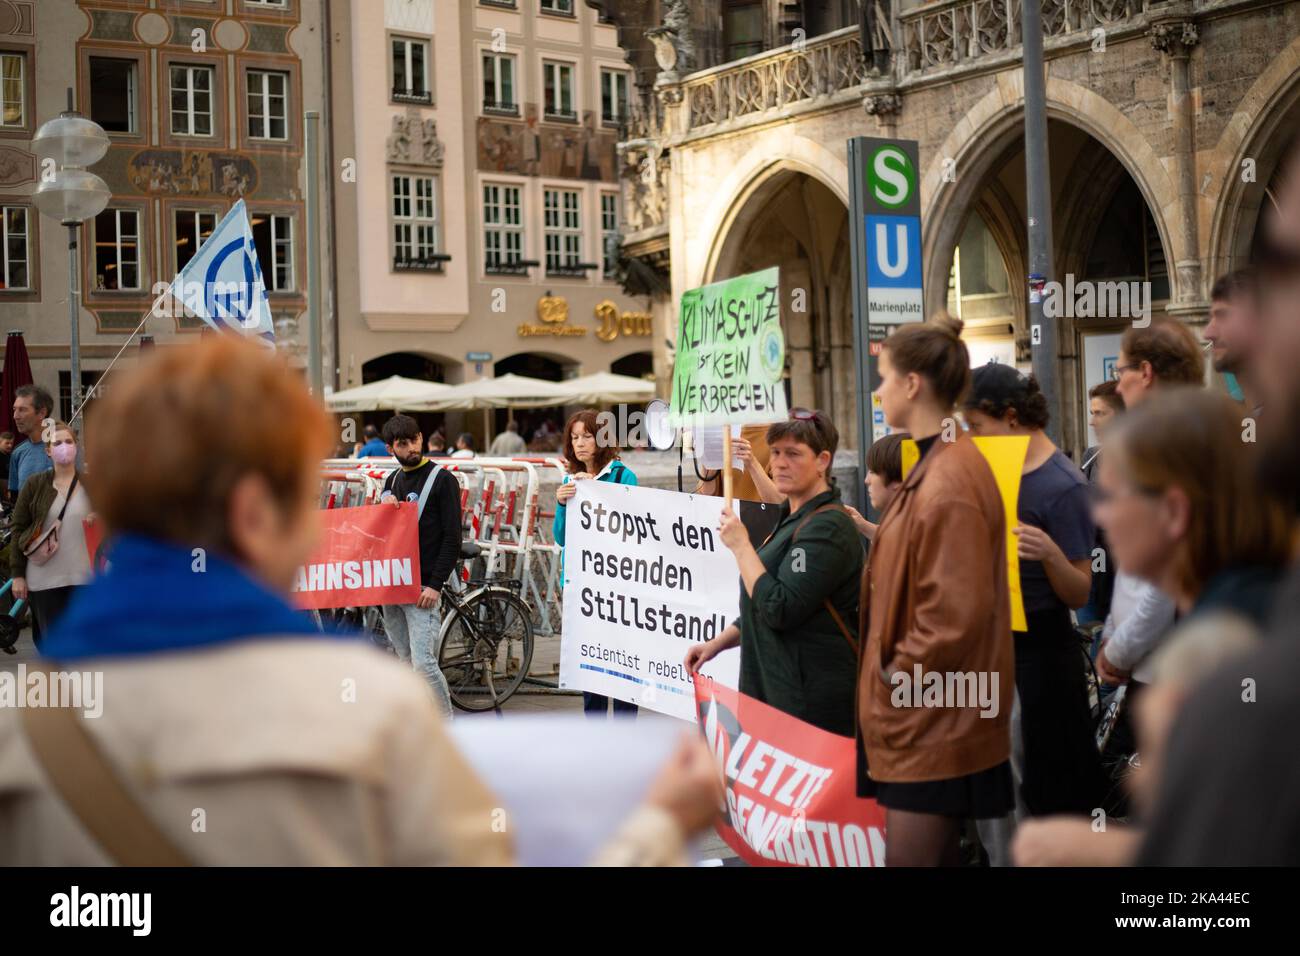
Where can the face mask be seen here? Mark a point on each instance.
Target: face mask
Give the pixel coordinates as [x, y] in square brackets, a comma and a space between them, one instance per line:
[64, 454]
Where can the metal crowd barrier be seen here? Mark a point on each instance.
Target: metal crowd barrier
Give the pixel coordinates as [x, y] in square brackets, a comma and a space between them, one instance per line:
[502, 509]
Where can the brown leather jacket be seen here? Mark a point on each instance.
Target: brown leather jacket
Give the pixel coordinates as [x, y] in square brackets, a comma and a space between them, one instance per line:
[934, 593]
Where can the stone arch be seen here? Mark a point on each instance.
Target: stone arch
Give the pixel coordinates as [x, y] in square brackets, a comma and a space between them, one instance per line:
[981, 137]
[790, 211]
[763, 164]
[451, 366]
[1257, 130]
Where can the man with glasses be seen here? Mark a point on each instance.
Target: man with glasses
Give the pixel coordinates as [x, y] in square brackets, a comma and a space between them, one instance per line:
[1161, 353]
[1158, 355]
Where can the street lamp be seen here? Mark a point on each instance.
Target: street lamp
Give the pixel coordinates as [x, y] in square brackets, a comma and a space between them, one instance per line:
[71, 195]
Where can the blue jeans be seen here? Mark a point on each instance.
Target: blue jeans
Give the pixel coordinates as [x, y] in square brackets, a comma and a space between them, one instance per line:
[413, 632]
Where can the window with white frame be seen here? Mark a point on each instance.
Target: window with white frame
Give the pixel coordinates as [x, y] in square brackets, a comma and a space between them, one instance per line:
[411, 70]
[609, 233]
[117, 250]
[191, 100]
[114, 91]
[15, 271]
[558, 6]
[13, 89]
[562, 216]
[613, 96]
[499, 82]
[415, 222]
[273, 238]
[191, 228]
[278, 4]
[268, 104]
[557, 90]
[503, 229]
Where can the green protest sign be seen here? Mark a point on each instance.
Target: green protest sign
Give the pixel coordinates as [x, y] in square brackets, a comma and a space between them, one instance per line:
[730, 353]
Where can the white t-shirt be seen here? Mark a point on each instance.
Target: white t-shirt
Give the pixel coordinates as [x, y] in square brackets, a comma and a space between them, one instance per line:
[71, 564]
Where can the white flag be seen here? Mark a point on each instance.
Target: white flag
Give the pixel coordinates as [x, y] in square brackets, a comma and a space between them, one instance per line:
[223, 283]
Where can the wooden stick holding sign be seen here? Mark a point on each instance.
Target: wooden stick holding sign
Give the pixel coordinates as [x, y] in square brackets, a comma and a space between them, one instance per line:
[728, 480]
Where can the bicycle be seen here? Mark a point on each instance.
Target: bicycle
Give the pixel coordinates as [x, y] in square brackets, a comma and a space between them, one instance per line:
[1108, 712]
[486, 639]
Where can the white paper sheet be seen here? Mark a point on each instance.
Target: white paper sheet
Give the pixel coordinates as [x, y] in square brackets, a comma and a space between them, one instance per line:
[567, 783]
[708, 447]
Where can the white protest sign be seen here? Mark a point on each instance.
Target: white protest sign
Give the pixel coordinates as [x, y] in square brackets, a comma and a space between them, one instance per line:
[706, 441]
[646, 577]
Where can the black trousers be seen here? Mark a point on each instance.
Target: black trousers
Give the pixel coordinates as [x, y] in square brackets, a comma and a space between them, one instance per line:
[597, 705]
[47, 607]
[1062, 769]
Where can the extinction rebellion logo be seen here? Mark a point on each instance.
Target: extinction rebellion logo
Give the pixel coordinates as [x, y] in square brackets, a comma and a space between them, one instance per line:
[771, 350]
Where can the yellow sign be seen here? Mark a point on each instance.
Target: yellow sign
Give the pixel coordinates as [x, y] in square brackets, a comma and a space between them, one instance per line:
[630, 323]
[553, 310]
[1006, 457]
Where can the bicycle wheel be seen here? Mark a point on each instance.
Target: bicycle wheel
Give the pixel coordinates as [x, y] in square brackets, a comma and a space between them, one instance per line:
[487, 648]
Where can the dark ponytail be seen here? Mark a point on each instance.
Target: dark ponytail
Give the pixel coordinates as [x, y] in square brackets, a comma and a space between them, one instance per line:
[996, 389]
[934, 350]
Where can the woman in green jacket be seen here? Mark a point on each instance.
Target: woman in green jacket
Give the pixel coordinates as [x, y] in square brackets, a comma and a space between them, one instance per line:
[797, 629]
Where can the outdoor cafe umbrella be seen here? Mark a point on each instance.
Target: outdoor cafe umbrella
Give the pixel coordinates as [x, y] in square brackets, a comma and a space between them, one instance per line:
[391, 394]
[505, 391]
[603, 388]
[17, 373]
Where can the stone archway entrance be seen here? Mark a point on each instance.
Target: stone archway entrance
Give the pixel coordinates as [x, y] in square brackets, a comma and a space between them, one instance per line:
[1103, 230]
[793, 220]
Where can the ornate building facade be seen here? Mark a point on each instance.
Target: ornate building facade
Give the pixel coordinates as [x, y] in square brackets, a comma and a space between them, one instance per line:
[1165, 122]
[203, 102]
[479, 214]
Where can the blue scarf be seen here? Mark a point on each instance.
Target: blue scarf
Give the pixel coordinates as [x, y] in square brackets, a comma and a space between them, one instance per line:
[151, 599]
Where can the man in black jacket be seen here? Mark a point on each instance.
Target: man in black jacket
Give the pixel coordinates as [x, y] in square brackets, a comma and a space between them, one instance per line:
[413, 628]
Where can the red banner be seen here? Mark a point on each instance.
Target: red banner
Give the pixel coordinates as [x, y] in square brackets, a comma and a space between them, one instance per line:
[367, 555]
[791, 787]
[94, 542]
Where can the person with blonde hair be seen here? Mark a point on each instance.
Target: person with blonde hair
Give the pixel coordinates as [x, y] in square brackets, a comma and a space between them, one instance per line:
[47, 553]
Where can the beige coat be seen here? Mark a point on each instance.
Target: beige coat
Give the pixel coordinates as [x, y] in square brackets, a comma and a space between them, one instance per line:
[297, 752]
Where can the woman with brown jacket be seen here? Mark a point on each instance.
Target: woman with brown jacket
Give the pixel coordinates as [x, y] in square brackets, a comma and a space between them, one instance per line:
[937, 674]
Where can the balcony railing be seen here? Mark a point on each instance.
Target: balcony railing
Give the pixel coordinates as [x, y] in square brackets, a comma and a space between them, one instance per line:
[431, 262]
[772, 81]
[939, 35]
[508, 267]
[950, 33]
[403, 95]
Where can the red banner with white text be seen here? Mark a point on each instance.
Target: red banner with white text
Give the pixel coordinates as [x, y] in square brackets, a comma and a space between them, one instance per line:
[791, 787]
[368, 555]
